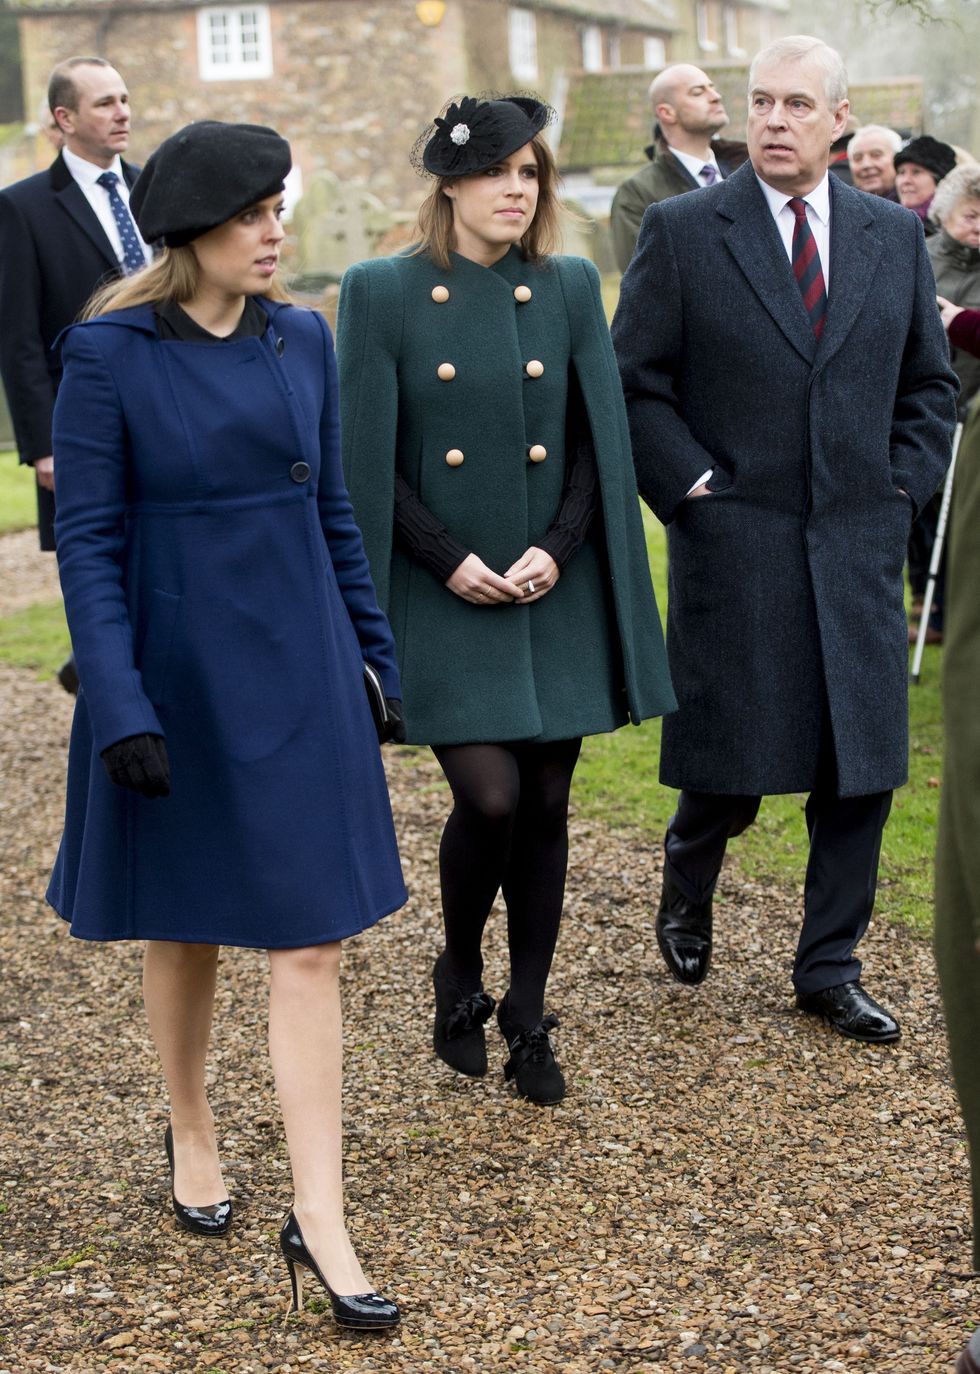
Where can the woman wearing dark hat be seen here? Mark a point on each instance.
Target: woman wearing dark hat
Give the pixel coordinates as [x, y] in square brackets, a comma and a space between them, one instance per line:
[487, 455]
[919, 168]
[224, 782]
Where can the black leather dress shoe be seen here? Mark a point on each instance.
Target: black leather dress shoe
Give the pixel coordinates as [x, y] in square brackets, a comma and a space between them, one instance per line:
[849, 1010]
[684, 933]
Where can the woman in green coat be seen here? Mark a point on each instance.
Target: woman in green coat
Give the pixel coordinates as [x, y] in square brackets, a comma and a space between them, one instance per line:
[487, 456]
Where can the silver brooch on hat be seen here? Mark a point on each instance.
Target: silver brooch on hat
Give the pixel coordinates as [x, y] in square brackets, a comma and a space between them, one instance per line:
[460, 134]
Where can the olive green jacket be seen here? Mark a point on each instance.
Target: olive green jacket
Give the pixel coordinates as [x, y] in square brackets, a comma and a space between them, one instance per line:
[588, 656]
[958, 854]
[662, 178]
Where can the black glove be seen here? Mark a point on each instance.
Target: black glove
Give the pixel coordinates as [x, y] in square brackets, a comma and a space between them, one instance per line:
[396, 722]
[140, 763]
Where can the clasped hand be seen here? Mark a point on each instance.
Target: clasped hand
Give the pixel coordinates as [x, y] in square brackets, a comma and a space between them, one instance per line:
[530, 578]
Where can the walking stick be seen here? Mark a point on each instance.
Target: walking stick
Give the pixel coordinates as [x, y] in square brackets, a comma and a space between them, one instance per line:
[937, 553]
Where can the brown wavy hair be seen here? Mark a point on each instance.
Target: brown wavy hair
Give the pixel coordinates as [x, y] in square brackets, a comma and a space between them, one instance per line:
[434, 227]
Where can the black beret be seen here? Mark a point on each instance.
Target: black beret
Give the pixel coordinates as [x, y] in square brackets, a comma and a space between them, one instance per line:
[474, 134]
[925, 151]
[205, 174]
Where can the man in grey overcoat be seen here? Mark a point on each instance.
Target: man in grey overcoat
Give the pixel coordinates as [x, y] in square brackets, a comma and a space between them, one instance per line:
[791, 408]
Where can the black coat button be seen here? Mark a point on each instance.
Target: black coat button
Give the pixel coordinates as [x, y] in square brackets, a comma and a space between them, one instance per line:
[300, 472]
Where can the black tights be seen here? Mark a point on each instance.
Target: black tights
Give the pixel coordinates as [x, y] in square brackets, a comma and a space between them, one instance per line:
[508, 830]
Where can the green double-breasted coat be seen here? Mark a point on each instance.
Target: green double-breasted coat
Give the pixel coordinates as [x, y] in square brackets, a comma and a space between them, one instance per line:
[588, 656]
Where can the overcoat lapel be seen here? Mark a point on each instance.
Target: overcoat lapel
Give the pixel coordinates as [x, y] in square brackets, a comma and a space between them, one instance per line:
[70, 197]
[753, 241]
[854, 255]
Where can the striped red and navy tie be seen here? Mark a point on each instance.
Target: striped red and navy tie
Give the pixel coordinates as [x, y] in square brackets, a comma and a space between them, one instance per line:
[807, 269]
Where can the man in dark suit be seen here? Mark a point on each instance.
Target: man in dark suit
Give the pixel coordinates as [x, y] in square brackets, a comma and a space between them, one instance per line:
[685, 154]
[62, 233]
[791, 408]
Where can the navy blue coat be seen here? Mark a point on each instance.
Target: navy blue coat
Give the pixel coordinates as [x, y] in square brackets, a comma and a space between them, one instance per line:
[785, 613]
[218, 594]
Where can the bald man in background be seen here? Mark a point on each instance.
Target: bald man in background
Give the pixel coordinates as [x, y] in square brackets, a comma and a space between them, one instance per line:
[685, 153]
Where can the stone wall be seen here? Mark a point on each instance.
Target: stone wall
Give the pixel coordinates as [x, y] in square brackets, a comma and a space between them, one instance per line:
[354, 80]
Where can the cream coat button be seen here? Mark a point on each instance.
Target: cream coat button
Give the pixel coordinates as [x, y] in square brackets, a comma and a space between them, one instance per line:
[454, 457]
[522, 294]
[534, 368]
[446, 372]
[537, 453]
[440, 294]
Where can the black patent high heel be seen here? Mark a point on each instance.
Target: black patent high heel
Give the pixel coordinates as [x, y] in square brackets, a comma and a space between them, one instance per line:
[203, 1221]
[365, 1311]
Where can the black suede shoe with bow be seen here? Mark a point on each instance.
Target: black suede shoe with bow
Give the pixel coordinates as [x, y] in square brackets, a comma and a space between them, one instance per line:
[684, 933]
[458, 1037]
[532, 1064]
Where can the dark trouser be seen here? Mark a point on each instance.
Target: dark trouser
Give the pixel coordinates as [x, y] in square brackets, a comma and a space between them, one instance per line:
[841, 875]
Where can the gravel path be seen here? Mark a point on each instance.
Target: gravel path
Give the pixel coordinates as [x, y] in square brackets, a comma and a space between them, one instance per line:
[727, 1186]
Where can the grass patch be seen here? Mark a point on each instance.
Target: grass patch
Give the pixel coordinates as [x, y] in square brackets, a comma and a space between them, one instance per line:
[18, 495]
[36, 637]
[65, 1263]
[616, 782]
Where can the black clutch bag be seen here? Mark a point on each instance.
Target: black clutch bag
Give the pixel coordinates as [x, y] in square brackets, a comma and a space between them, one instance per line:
[376, 700]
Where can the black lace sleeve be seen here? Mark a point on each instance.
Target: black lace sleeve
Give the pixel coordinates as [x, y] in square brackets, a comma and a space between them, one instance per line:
[567, 531]
[422, 536]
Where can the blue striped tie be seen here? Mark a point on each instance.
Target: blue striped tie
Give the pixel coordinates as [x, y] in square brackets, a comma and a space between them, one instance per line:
[133, 257]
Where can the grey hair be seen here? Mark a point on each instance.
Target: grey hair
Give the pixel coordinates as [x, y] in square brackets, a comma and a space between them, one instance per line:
[794, 49]
[889, 136]
[962, 183]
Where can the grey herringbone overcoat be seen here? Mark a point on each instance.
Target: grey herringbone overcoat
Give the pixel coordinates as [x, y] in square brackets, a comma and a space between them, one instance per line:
[785, 622]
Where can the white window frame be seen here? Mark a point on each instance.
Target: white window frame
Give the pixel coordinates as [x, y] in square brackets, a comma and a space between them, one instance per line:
[730, 18]
[522, 35]
[654, 54]
[615, 48]
[592, 48]
[239, 67]
[705, 42]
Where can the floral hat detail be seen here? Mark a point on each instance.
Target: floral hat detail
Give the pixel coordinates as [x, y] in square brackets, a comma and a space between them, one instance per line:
[476, 132]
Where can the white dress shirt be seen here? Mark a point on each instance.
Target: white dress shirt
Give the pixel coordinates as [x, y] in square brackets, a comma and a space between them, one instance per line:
[817, 216]
[87, 174]
[694, 164]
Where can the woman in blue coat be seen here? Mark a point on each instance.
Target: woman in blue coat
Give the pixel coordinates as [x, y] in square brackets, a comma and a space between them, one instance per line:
[225, 785]
[488, 460]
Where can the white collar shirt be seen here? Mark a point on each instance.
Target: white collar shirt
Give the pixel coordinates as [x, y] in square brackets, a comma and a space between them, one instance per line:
[87, 174]
[694, 164]
[817, 216]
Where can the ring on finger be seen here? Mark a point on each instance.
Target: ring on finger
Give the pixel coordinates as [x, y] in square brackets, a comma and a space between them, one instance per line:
[530, 588]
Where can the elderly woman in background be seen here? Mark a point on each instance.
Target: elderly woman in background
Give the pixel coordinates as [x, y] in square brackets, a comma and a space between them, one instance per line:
[955, 255]
[919, 168]
[954, 249]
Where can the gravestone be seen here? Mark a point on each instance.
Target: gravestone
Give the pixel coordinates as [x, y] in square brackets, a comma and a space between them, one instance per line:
[335, 224]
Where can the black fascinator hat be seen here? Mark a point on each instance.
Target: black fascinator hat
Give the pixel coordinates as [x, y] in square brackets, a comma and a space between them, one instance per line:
[474, 133]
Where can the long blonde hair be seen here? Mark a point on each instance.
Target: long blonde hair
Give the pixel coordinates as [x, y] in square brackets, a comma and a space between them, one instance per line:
[434, 227]
[174, 276]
